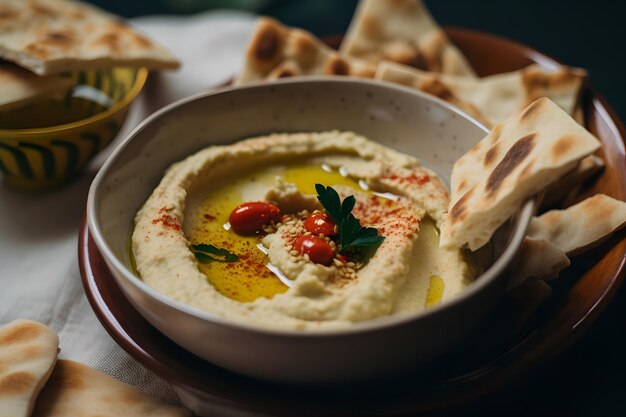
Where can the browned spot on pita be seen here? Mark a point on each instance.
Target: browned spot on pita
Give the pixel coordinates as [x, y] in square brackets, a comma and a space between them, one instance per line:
[514, 156]
[40, 10]
[77, 14]
[490, 155]
[25, 353]
[371, 26]
[22, 333]
[530, 110]
[432, 50]
[536, 81]
[16, 383]
[266, 44]
[364, 71]
[69, 375]
[413, 59]
[36, 50]
[109, 40]
[457, 212]
[284, 73]
[337, 66]
[7, 13]
[561, 147]
[437, 88]
[141, 41]
[59, 39]
[462, 185]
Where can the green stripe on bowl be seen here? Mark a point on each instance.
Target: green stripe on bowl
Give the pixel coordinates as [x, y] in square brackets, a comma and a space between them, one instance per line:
[95, 141]
[20, 159]
[72, 155]
[4, 169]
[49, 166]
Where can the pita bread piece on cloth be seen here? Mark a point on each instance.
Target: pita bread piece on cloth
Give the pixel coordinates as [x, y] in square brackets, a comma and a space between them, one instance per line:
[581, 226]
[276, 51]
[28, 352]
[19, 87]
[75, 390]
[526, 154]
[402, 31]
[491, 100]
[54, 36]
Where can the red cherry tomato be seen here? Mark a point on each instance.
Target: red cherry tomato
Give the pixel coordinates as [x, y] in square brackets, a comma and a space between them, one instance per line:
[318, 223]
[249, 218]
[318, 249]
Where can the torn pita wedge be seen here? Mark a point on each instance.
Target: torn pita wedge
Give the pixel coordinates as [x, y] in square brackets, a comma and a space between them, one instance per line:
[402, 31]
[581, 226]
[464, 175]
[276, 51]
[537, 260]
[54, 36]
[491, 100]
[77, 390]
[28, 352]
[19, 87]
[529, 152]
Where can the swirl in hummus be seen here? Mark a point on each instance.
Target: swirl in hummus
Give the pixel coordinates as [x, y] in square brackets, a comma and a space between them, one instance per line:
[272, 285]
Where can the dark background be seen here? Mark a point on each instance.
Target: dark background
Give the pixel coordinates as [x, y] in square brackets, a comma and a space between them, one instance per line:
[589, 379]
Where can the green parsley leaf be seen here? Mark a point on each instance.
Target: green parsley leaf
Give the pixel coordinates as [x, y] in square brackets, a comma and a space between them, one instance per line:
[209, 253]
[353, 237]
[330, 200]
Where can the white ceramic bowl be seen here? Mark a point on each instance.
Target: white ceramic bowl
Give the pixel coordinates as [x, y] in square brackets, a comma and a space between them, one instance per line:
[393, 115]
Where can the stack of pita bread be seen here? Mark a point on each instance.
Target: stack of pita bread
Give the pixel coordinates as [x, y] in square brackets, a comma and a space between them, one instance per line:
[535, 145]
[49, 38]
[34, 383]
[539, 147]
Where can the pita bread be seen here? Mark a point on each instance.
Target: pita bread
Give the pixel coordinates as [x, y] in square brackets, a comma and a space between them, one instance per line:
[537, 260]
[54, 36]
[464, 175]
[558, 191]
[78, 391]
[19, 87]
[28, 352]
[491, 100]
[601, 216]
[402, 31]
[529, 152]
[276, 51]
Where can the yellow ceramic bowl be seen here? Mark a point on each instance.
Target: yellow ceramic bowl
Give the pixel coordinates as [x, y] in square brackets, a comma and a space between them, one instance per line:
[46, 144]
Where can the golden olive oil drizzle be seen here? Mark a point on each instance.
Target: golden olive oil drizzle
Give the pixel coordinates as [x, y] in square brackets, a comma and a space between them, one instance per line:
[248, 278]
[435, 291]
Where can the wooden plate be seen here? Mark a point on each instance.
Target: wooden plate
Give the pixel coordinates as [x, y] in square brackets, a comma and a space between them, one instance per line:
[503, 349]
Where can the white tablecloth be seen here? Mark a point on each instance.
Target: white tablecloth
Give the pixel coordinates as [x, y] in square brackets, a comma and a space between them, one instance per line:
[39, 277]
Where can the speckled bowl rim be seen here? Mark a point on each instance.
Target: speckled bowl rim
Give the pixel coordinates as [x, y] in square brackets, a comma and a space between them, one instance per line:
[524, 216]
[140, 80]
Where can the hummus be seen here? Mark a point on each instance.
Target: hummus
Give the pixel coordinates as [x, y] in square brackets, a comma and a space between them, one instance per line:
[270, 283]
